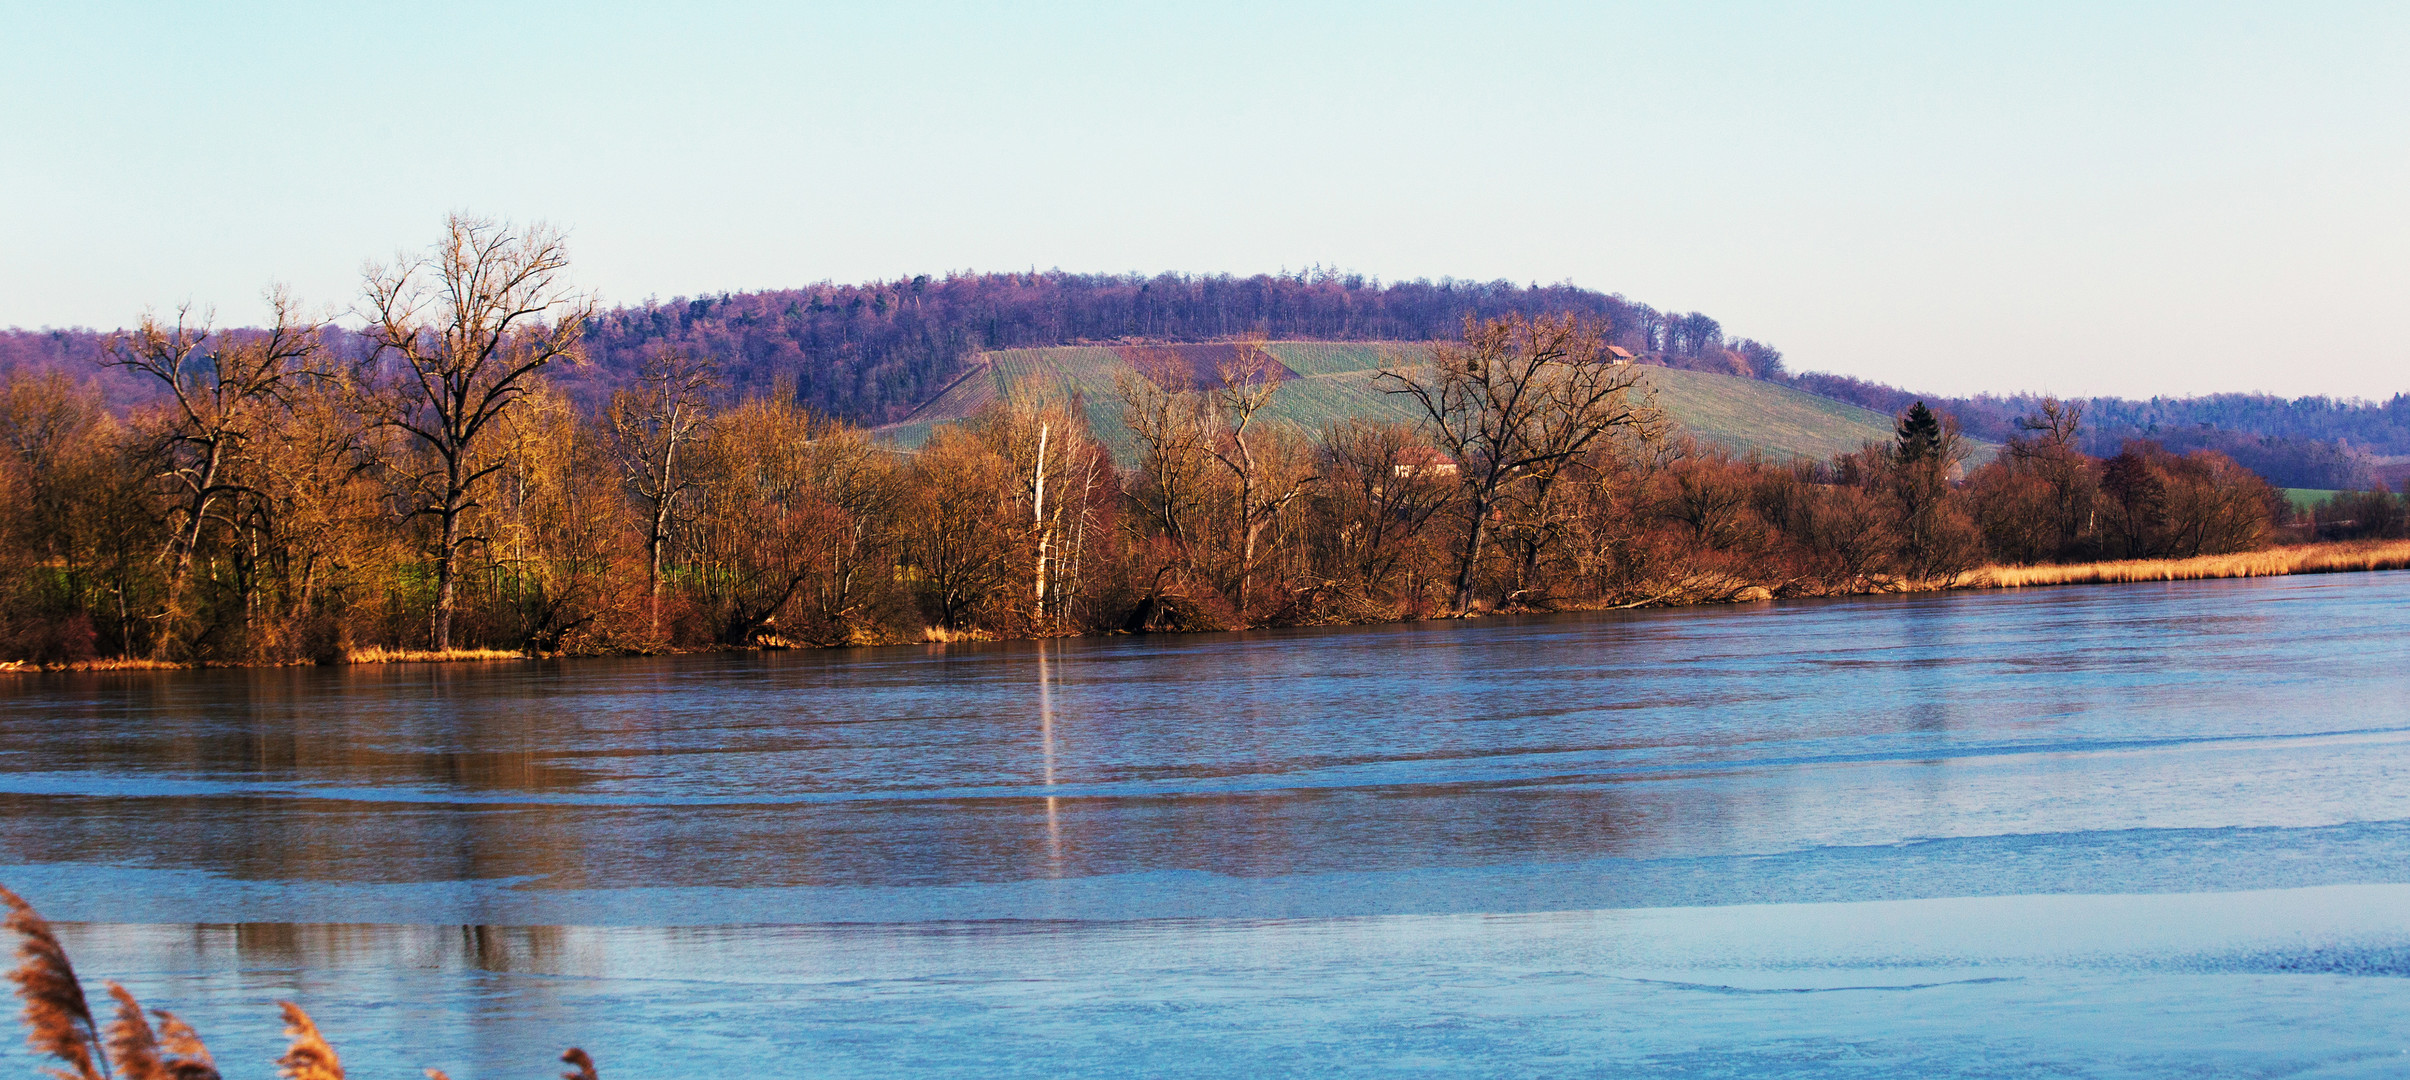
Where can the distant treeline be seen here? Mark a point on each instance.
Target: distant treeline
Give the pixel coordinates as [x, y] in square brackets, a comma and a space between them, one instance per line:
[429, 485]
[2306, 442]
[868, 353]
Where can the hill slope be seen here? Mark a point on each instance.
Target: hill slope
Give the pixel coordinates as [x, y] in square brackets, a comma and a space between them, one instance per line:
[1334, 380]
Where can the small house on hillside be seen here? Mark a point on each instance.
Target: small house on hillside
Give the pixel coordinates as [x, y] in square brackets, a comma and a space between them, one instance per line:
[1422, 461]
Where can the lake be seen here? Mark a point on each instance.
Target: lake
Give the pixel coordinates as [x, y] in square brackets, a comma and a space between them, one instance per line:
[2138, 830]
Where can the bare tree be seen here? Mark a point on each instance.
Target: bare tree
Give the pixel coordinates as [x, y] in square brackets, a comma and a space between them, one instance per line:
[1045, 441]
[1169, 426]
[221, 389]
[465, 328]
[1385, 489]
[1212, 478]
[961, 531]
[1248, 382]
[1515, 399]
[651, 423]
[2050, 448]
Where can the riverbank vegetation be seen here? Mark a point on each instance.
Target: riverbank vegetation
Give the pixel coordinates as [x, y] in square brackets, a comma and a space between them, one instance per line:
[2326, 558]
[436, 494]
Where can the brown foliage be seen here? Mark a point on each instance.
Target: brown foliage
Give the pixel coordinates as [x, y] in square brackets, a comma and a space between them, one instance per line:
[1513, 406]
[58, 1021]
[174, 1052]
[308, 1057]
[1537, 478]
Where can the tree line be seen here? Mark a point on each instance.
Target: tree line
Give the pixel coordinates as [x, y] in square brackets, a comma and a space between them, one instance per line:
[434, 485]
[2306, 442]
[868, 353]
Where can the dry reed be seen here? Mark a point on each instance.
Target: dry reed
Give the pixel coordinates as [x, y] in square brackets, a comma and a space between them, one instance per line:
[309, 1057]
[382, 655]
[2298, 559]
[106, 663]
[138, 1053]
[133, 1046]
[58, 1020]
[187, 1059]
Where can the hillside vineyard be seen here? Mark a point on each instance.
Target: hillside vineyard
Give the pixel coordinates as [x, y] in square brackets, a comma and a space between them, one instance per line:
[875, 352]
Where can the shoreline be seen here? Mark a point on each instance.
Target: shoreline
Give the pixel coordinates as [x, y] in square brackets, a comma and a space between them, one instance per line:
[2334, 557]
[2350, 556]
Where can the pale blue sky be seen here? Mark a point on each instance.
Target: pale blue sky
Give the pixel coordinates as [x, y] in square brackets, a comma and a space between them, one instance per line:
[2080, 198]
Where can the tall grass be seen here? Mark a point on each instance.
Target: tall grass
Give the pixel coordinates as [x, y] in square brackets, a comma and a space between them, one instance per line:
[375, 654]
[101, 663]
[382, 655]
[2298, 559]
[59, 1023]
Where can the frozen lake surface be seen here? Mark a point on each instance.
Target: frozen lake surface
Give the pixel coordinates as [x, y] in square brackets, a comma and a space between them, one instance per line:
[2150, 830]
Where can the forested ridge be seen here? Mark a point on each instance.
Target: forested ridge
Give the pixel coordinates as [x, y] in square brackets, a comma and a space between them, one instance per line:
[2304, 442]
[868, 353]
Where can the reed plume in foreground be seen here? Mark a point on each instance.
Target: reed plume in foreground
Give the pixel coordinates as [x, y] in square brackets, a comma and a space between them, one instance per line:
[58, 1020]
[188, 1059]
[59, 1023]
[174, 1052]
[309, 1058]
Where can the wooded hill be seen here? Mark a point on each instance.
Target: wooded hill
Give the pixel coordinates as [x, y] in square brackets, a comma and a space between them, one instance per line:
[1322, 382]
[872, 353]
[2305, 442]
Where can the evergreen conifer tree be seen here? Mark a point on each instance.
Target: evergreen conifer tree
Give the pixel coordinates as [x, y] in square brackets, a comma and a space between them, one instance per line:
[1919, 434]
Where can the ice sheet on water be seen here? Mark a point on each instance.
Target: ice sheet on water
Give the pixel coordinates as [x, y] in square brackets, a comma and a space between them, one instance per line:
[2112, 985]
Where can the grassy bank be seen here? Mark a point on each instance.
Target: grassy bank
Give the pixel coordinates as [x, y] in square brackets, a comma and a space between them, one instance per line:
[2297, 559]
[428, 656]
[356, 656]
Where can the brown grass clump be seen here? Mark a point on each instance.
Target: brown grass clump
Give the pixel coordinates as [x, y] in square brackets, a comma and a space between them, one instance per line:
[58, 1020]
[59, 1023]
[105, 663]
[132, 1043]
[2300, 559]
[187, 1058]
[377, 654]
[309, 1058]
[174, 1052]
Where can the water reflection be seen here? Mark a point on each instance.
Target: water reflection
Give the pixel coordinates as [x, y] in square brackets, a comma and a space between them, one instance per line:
[2007, 832]
[1054, 822]
[2290, 982]
[1692, 735]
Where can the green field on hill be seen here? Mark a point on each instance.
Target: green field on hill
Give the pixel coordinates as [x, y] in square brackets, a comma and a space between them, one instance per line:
[2305, 500]
[1335, 381]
